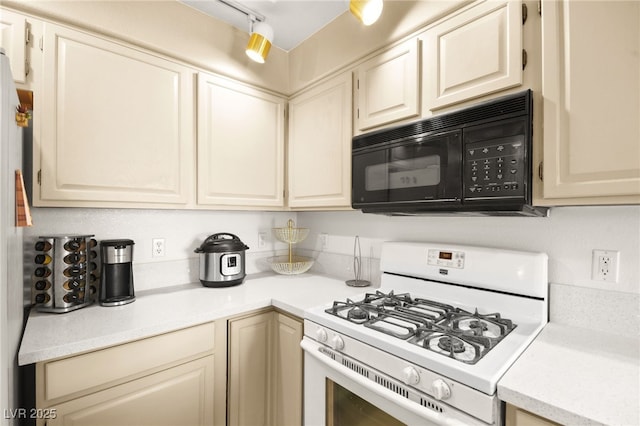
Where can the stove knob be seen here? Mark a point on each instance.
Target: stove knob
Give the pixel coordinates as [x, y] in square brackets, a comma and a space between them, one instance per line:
[440, 390]
[337, 343]
[411, 376]
[321, 335]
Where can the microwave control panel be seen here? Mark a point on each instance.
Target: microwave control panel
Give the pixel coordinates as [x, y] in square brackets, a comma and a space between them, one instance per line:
[494, 168]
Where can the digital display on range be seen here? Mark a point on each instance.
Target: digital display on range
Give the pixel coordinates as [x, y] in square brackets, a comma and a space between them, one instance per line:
[446, 255]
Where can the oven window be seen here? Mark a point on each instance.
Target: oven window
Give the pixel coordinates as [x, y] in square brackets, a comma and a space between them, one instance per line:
[406, 173]
[344, 408]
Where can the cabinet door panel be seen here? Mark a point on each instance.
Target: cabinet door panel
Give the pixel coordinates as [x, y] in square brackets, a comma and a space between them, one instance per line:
[591, 90]
[13, 41]
[388, 86]
[288, 367]
[319, 149]
[472, 54]
[182, 395]
[240, 144]
[250, 370]
[119, 123]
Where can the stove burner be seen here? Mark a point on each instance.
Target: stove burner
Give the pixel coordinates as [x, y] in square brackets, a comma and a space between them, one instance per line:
[447, 344]
[358, 314]
[477, 327]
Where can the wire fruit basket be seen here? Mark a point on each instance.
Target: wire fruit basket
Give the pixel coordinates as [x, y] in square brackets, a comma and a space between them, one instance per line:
[290, 264]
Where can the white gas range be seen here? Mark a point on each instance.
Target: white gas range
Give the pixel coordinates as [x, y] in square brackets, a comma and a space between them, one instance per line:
[428, 346]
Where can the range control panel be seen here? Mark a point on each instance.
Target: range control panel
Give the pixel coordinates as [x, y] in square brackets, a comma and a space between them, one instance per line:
[495, 168]
[446, 259]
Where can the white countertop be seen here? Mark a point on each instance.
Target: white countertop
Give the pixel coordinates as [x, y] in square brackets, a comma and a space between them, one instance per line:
[569, 375]
[575, 376]
[48, 336]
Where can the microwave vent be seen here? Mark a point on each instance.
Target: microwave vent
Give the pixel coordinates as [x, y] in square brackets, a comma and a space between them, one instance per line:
[498, 109]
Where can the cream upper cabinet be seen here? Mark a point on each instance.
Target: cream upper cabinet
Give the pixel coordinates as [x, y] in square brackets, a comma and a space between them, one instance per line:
[13, 39]
[474, 53]
[319, 149]
[240, 144]
[117, 125]
[591, 91]
[387, 86]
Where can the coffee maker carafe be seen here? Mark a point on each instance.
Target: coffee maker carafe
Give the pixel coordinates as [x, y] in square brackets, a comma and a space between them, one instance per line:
[116, 281]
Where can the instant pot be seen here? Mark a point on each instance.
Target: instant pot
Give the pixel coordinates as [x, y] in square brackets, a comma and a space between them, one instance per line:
[222, 260]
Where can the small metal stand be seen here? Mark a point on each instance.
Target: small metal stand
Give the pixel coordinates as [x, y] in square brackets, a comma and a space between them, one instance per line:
[357, 264]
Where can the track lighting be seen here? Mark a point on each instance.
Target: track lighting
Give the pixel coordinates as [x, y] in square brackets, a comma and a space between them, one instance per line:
[260, 41]
[367, 11]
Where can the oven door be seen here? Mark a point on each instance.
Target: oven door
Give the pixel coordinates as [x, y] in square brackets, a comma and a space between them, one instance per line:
[417, 170]
[335, 395]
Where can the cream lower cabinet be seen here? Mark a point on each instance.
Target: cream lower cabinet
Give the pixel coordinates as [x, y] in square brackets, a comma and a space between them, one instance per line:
[162, 380]
[319, 147]
[116, 125]
[518, 417]
[474, 53]
[387, 87]
[591, 91]
[176, 396]
[265, 370]
[240, 145]
[288, 371]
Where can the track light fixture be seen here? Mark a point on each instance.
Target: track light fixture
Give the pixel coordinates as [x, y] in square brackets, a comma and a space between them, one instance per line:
[367, 11]
[260, 41]
[261, 33]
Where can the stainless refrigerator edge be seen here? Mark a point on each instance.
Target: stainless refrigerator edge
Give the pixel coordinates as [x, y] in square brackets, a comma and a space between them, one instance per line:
[11, 248]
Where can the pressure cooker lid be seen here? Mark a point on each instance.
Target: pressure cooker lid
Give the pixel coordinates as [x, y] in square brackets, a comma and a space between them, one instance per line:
[221, 242]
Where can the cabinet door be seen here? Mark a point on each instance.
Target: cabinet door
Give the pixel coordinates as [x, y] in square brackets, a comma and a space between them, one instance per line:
[388, 86]
[13, 39]
[250, 372]
[518, 417]
[117, 125]
[181, 395]
[288, 368]
[319, 150]
[240, 144]
[591, 91]
[474, 53]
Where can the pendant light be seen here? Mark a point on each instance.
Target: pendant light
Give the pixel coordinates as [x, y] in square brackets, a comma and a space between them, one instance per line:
[367, 11]
[260, 41]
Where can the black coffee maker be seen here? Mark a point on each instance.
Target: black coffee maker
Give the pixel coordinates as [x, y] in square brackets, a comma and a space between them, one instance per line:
[116, 281]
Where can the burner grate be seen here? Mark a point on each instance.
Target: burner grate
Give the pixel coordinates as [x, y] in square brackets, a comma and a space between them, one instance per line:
[438, 327]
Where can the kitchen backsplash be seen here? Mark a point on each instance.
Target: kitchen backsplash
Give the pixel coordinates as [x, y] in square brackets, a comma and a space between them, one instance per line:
[568, 236]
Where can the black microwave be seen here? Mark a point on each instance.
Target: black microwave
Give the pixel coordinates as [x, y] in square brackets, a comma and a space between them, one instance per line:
[476, 160]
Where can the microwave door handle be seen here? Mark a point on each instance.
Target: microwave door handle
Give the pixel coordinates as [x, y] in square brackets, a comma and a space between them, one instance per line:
[313, 349]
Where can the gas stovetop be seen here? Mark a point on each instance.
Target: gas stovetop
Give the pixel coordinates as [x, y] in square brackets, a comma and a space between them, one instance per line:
[466, 313]
[438, 327]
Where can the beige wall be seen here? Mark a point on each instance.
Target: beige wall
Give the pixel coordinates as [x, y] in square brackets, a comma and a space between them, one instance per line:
[173, 29]
[345, 40]
[184, 33]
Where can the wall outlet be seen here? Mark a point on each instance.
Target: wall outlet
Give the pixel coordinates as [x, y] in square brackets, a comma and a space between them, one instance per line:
[323, 241]
[157, 247]
[604, 265]
[262, 239]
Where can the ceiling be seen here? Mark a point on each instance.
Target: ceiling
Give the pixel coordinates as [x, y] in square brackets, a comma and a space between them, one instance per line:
[293, 21]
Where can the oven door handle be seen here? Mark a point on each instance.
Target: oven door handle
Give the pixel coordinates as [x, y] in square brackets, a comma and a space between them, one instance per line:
[312, 348]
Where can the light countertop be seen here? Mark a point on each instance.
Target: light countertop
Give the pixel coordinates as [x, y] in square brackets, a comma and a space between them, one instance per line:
[569, 375]
[48, 335]
[575, 376]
